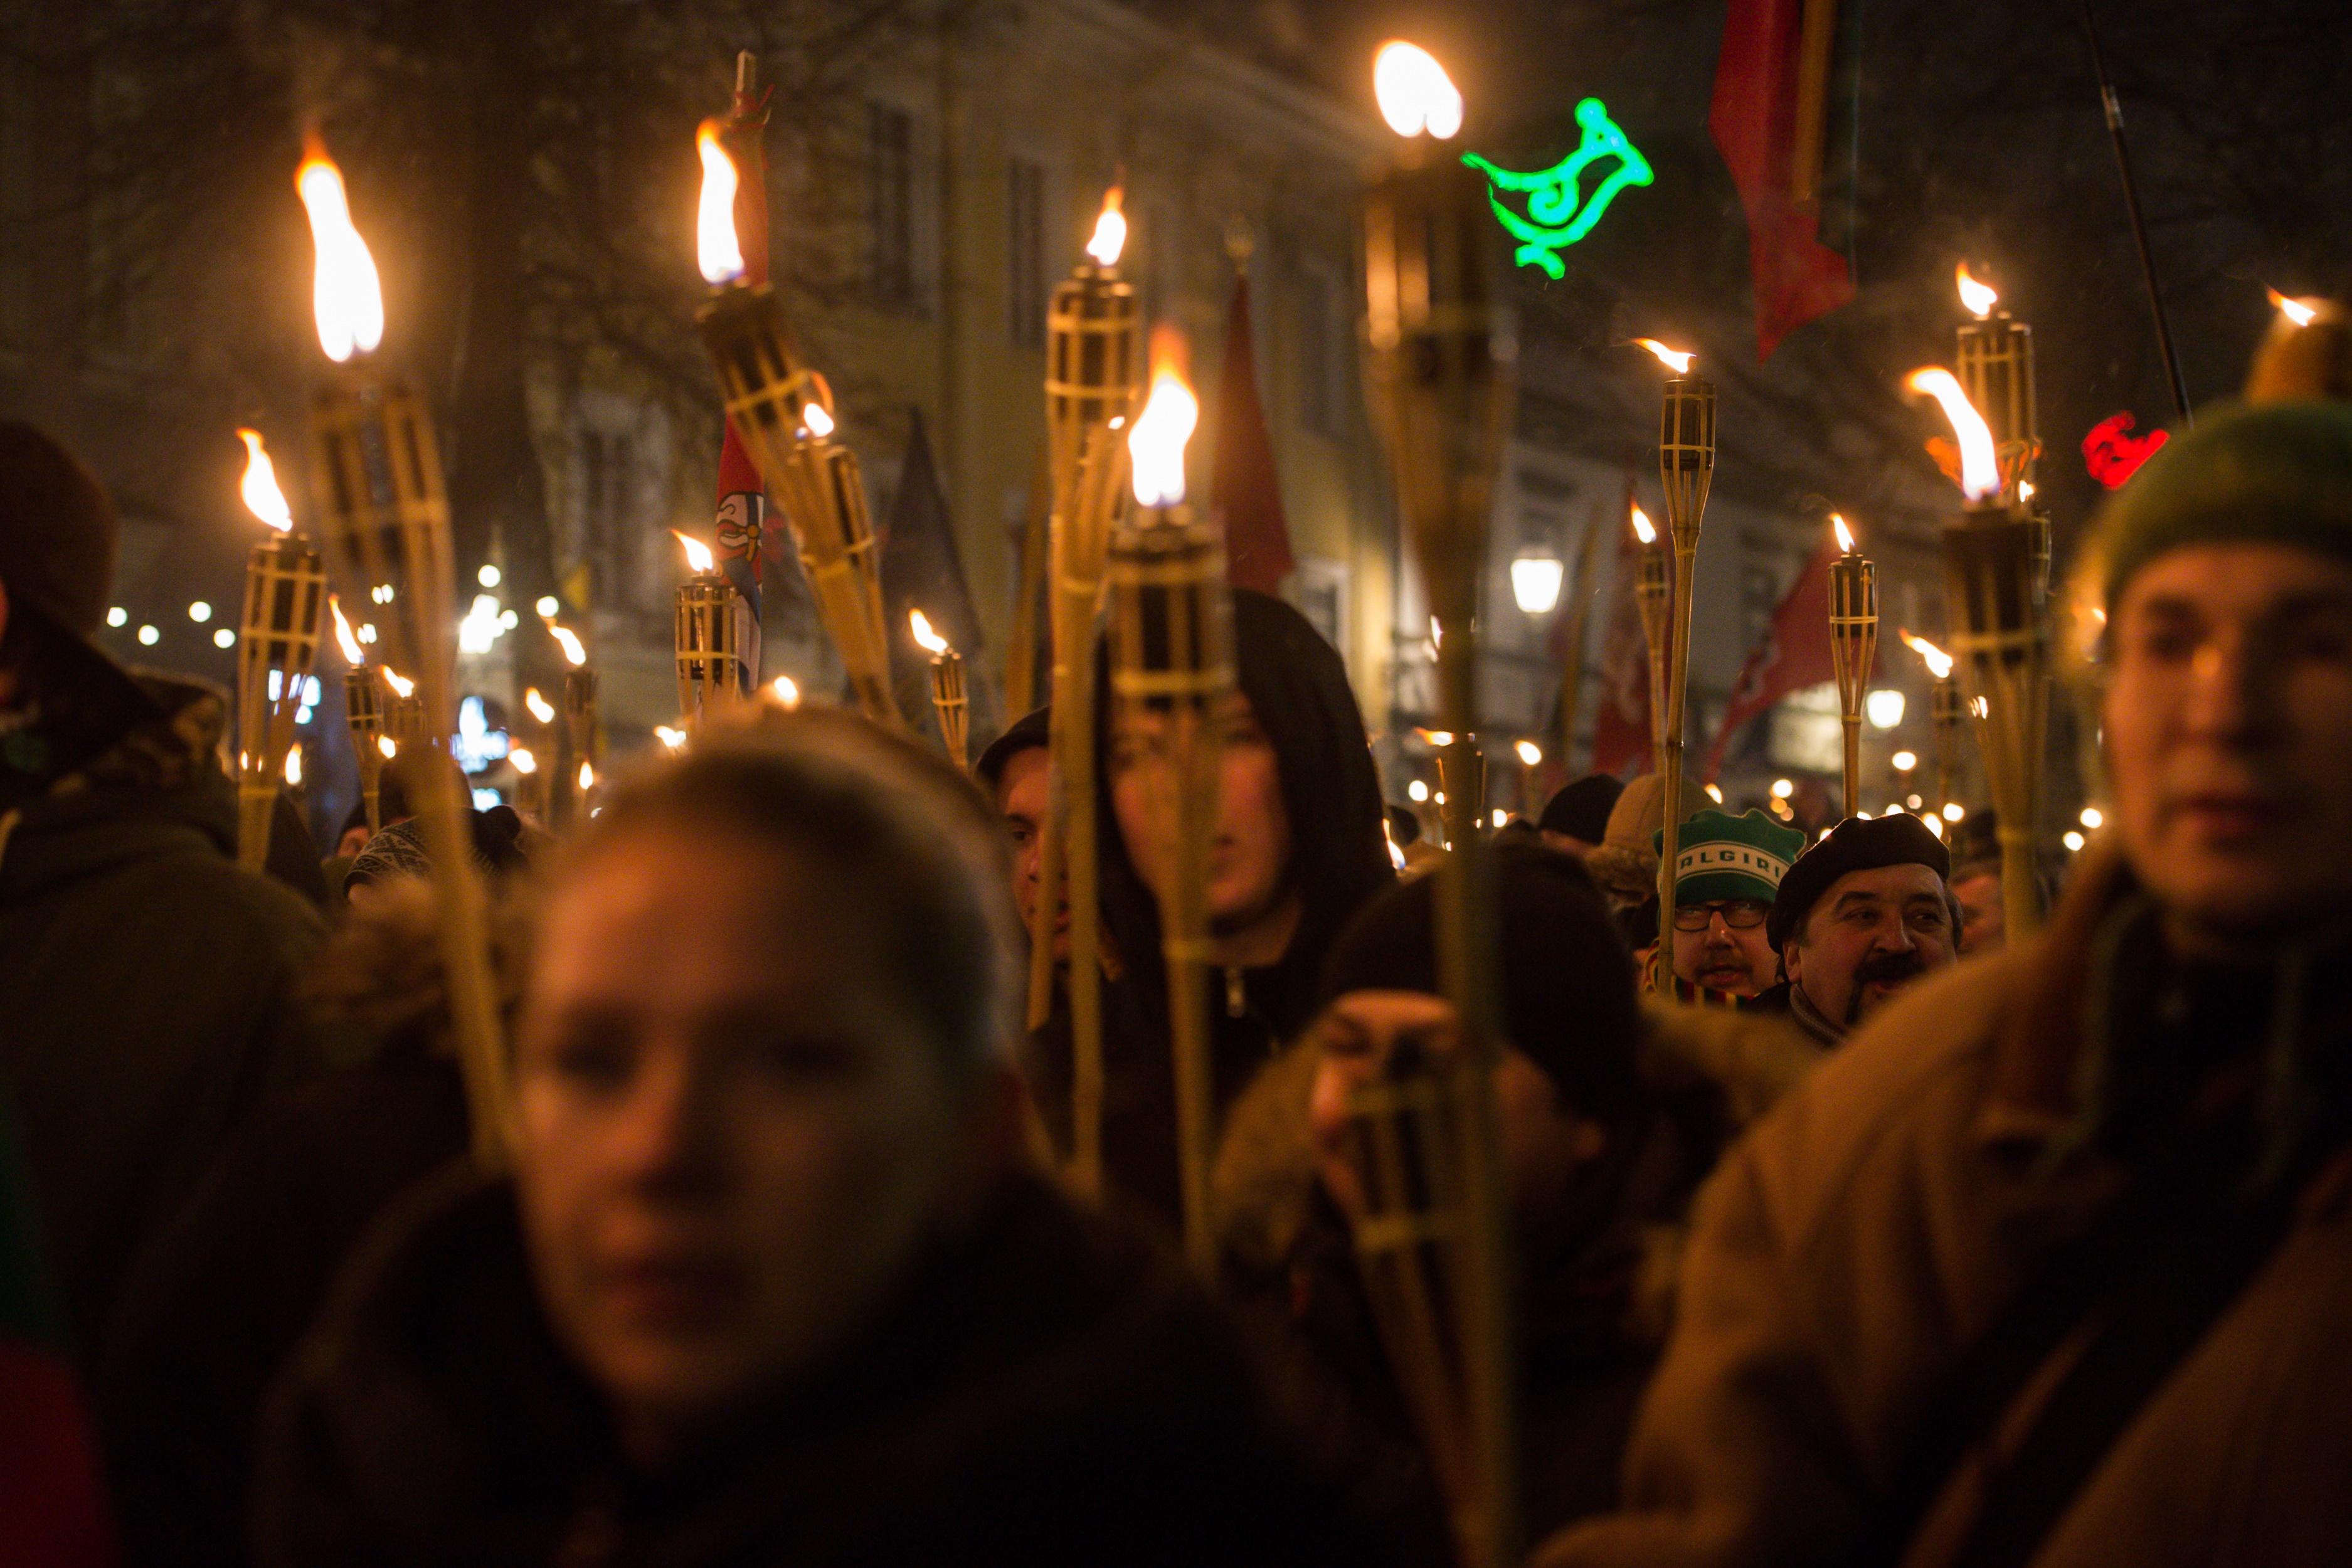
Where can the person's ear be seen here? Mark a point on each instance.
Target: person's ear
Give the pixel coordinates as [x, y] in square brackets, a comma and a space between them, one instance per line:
[1791, 963]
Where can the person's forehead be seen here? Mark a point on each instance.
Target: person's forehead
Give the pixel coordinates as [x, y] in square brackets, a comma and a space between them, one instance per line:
[1023, 769]
[1884, 882]
[2232, 580]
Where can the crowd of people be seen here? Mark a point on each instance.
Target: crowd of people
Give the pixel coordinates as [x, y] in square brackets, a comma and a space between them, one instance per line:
[1885, 1240]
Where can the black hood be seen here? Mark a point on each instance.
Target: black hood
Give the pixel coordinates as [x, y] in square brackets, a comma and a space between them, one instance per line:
[1298, 685]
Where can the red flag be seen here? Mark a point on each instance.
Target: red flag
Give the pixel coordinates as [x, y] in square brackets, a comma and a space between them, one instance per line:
[1621, 725]
[1753, 118]
[1795, 654]
[742, 498]
[1245, 488]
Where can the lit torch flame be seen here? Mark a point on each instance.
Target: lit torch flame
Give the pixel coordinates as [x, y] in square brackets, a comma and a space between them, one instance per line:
[1979, 473]
[2295, 311]
[346, 295]
[1530, 753]
[1844, 534]
[785, 690]
[402, 687]
[1414, 93]
[929, 641]
[1939, 662]
[1110, 229]
[819, 423]
[294, 768]
[671, 739]
[1674, 360]
[587, 776]
[1643, 529]
[353, 655]
[574, 653]
[388, 746]
[1439, 738]
[541, 708]
[716, 251]
[259, 487]
[698, 560]
[1978, 299]
[520, 759]
[1156, 444]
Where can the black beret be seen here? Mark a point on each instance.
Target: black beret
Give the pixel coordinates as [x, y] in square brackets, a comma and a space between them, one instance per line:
[1580, 810]
[1857, 843]
[1028, 733]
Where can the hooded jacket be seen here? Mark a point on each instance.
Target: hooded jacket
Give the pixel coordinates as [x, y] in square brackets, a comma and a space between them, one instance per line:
[1042, 1390]
[145, 980]
[1298, 687]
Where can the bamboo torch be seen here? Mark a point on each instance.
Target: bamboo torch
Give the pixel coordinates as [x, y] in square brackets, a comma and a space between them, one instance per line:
[277, 644]
[1687, 465]
[783, 411]
[1995, 369]
[716, 638]
[1945, 710]
[1440, 380]
[1653, 593]
[539, 762]
[1853, 646]
[384, 519]
[2000, 634]
[950, 700]
[363, 708]
[1094, 374]
[1171, 664]
[577, 755]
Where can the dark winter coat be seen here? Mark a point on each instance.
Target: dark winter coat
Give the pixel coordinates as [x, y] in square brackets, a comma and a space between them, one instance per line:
[145, 982]
[1596, 1283]
[1330, 792]
[1042, 1391]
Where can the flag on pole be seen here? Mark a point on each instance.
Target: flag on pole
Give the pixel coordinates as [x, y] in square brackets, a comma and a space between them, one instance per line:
[1767, 117]
[1246, 490]
[1795, 654]
[1621, 724]
[742, 498]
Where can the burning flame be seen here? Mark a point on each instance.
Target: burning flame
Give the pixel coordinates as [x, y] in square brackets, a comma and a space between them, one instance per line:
[353, 655]
[1979, 473]
[575, 654]
[1435, 737]
[2295, 311]
[1979, 708]
[1939, 662]
[785, 690]
[1530, 753]
[346, 295]
[715, 247]
[1844, 534]
[1414, 93]
[294, 768]
[388, 746]
[541, 708]
[698, 560]
[587, 774]
[1156, 444]
[1642, 530]
[671, 740]
[1674, 360]
[259, 487]
[521, 760]
[1110, 229]
[402, 687]
[929, 641]
[819, 423]
[1978, 298]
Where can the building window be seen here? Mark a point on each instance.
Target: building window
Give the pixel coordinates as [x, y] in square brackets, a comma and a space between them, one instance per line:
[1024, 250]
[1319, 398]
[890, 203]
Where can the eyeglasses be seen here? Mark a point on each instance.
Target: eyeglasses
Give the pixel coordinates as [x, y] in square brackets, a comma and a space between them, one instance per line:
[1739, 914]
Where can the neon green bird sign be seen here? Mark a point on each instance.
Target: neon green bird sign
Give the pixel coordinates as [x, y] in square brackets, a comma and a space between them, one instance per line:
[1559, 211]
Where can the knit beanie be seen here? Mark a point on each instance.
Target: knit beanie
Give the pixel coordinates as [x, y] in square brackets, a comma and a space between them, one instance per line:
[2277, 473]
[1580, 810]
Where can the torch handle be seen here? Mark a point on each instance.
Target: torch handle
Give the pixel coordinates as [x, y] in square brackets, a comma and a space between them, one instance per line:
[1670, 768]
[1852, 723]
[256, 808]
[1186, 951]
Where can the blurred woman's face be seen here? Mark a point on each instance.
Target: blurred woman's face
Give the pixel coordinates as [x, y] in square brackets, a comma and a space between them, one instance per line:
[733, 1138]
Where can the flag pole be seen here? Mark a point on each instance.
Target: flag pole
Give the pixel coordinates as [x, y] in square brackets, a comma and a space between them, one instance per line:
[2114, 113]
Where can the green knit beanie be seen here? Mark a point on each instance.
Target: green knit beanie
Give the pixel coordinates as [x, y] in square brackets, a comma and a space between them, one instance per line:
[2278, 473]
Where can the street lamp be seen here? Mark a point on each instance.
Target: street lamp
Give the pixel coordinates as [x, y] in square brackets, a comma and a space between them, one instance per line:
[1536, 580]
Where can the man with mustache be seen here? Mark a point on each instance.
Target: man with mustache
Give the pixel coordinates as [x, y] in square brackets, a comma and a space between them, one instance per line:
[1728, 872]
[2048, 1267]
[1862, 914]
